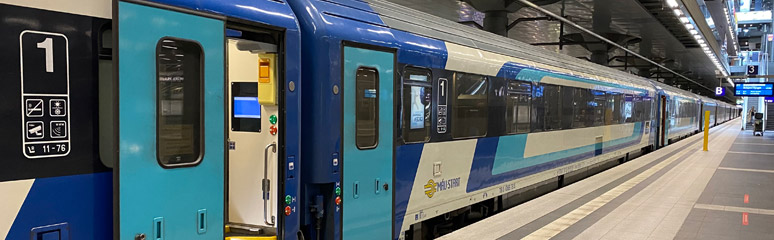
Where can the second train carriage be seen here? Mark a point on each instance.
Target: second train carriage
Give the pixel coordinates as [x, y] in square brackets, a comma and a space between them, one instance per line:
[461, 116]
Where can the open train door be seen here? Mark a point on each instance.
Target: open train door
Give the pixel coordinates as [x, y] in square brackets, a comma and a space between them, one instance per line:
[170, 171]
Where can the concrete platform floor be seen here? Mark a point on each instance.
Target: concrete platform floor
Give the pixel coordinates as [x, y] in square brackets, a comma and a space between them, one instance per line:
[677, 192]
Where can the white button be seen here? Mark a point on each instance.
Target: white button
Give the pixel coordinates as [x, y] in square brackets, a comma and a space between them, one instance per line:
[291, 166]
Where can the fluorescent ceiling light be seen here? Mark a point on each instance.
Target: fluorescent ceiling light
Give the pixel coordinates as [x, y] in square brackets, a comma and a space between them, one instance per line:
[672, 3]
[678, 12]
[701, 41]
[693, 31]
[684, 19]
[689, 26]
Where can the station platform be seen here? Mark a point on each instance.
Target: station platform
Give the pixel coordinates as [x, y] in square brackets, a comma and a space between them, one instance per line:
[677, 192]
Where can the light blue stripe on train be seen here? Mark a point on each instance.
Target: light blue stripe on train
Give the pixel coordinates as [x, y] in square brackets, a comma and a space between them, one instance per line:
[510, 151]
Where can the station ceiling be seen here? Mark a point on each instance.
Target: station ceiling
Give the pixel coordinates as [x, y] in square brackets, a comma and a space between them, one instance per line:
[633, 20]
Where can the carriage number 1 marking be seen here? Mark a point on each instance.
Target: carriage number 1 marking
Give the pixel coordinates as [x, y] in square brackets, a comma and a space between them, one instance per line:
[49, 47]
[45, 94]
[443, 89]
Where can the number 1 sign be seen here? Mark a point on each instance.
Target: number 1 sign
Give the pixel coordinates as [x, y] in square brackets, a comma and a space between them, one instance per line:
[45, 94]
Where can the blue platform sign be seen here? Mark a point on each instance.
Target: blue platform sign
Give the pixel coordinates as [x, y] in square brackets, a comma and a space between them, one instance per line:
[754, 89]
[720, 91]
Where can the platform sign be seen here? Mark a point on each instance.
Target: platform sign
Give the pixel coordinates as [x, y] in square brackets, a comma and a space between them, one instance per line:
[45, 94]
[754, 89]
[752, 69]
[720, 91]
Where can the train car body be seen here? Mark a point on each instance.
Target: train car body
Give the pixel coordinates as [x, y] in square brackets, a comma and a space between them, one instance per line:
[53, 179]
[138, 94]
[465, 116]
[170, 119]
[682, 108]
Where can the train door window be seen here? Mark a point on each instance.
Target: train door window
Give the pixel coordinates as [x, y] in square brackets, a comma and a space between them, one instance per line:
[553, 107]
[417, 95]
[538, 108]
[179, 102]
[366, 108]
[518, 106]
[470, 109]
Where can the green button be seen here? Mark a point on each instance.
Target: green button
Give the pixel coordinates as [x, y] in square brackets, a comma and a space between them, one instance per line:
[338, 191]
[287, 199]
[273, 119]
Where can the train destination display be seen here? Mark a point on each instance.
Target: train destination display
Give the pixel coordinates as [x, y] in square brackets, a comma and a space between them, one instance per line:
[754, 89]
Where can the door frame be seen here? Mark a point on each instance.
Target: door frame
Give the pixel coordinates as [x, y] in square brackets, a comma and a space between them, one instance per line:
[281, 81]
[663, 138]
[395, 115]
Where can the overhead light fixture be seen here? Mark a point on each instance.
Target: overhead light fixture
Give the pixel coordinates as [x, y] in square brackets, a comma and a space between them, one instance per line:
[672, 3]
[701, 41]
[693, 31]
[703, 45]
[689, 26]
[684, 19]
[678, 12]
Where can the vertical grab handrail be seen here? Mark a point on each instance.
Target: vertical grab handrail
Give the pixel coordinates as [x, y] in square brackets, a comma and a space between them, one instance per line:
[266, 183]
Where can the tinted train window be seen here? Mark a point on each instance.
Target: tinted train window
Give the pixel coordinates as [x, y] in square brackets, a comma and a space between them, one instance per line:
[179, 102]
[417, 94]
[538, 108]
[553, 107]
[366, 108]
[582, 108]
[614, 108]
[518, 107]
[470, 109]
[628, 108]
[597, 106]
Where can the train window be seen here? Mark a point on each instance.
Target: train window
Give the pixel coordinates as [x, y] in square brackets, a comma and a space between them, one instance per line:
[366, 108]
[553, 107]
[538, 108]
[470, 109]
[179, 74]
[417, 94]
[568, 105]
[518, 106]
[614, 108]
[597, 106]
[628, 108]
[582, 108]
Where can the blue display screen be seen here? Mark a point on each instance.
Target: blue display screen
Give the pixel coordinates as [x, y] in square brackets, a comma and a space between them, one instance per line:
[247, 107]
[754, 89]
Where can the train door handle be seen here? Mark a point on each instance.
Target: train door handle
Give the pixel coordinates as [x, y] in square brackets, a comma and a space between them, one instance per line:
[377, 187]
[266, 184]
[355, 189]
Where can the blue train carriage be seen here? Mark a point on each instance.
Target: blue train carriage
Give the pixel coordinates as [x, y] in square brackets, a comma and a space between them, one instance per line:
[53, 181]
[412, 116]
[681, 117]
[711, 105]
[226, 70]
[208, 119]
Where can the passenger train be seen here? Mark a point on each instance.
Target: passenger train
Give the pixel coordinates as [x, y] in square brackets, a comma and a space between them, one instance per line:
[296, 119]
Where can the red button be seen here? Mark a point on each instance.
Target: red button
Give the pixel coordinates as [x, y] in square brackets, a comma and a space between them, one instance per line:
[273, 130]
[338, 200]
[288, 211]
